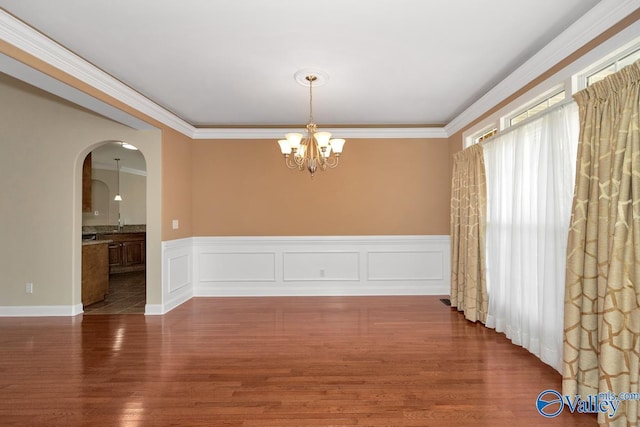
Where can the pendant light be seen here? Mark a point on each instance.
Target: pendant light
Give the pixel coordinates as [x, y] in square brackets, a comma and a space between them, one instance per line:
[118, 197]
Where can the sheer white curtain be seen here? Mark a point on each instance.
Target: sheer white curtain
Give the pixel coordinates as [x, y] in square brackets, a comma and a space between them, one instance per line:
[530, 179]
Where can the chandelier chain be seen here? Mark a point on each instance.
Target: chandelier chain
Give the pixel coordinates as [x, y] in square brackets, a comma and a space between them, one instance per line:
[311, 79]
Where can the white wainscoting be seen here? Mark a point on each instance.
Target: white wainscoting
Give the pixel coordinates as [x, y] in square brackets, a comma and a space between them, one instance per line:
[177, 275]
[306, 266]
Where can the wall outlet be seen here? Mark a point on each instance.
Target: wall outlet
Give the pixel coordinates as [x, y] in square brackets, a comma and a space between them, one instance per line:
[96, 213]
[322, 272]
[29, 288]
[175, 224]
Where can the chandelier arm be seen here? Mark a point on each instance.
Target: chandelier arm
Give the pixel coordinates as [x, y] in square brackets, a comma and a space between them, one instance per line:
[319, 155]
[289, 163]
[332, 161]
[304, 147]
[316, 150]
[323, 161]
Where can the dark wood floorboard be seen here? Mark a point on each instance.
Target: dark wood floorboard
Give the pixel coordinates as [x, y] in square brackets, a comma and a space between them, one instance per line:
[127, 295]
[312, 361]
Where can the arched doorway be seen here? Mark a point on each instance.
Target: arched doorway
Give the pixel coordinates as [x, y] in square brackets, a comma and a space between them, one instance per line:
[114, 214]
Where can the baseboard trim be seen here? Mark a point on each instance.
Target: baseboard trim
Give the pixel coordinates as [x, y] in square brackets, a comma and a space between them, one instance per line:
[41, 310]
[154, 309]
[336, 289]
[177, 298]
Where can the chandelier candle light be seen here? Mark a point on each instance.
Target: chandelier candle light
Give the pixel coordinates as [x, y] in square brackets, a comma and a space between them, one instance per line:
[314, 150]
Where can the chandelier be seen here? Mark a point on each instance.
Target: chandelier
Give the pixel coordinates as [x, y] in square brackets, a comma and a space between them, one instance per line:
[314, 150]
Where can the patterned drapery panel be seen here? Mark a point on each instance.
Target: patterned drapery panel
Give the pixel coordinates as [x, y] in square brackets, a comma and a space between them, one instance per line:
[468, 223]
[602, 314]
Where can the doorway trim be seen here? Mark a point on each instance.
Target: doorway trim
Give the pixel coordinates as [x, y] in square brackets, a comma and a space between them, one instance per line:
[149, 142]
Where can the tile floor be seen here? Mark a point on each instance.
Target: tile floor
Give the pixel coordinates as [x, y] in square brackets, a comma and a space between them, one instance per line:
[127, 295]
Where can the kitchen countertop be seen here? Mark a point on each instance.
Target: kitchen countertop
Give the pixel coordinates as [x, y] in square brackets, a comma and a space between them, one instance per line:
[96, 242]
[112, 229]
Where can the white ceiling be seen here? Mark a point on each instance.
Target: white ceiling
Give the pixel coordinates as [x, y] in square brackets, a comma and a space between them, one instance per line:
[231, 62]
[131, 161]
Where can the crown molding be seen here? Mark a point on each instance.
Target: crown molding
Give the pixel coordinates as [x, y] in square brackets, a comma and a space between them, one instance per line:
[278, 133]
[27, 39]
[603, 16]
[47, 83]
[599, 19]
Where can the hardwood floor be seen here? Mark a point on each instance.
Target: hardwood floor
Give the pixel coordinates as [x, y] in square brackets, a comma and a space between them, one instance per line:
[312, 361]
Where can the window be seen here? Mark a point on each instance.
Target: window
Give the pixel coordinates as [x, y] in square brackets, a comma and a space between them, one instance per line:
[556, 90]
[530, 171]
[537, 108]
[612, 67]
[484, 135]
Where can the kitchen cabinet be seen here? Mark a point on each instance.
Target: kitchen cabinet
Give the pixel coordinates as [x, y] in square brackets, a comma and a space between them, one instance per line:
[95, 272]
[86, 184]
[126, 252]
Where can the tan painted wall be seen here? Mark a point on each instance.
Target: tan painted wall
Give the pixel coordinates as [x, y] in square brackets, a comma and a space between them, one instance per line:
[176, 185]
[455, 145]
[381, 187]
[44, 141]
[175, 167]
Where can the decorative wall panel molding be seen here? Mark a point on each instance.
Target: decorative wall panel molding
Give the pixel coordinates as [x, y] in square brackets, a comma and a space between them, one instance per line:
[233, 267]
[312, 265]
[178, 272]
[177, 276]
[321, 266]
[406, 265]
